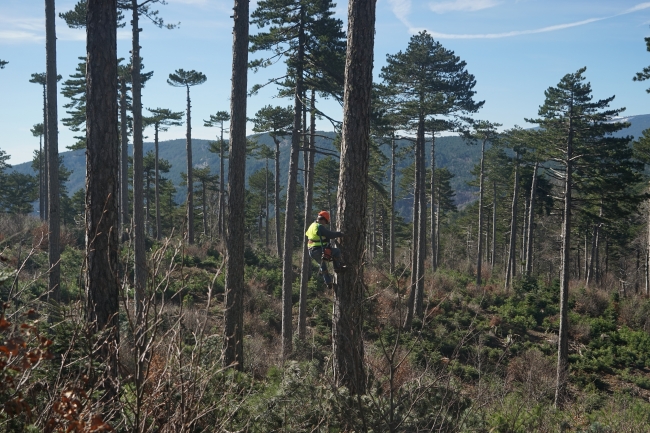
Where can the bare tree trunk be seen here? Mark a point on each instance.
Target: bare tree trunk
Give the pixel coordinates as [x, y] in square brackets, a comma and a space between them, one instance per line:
[46, 151]
[510, 272]
[124, 159]
[309, 194]
[479, 254]
[139, 220]
[276, 199]
[434, 233]
[589, 277]
[493, 247]
[222, 190]
[54, 216]
[102, 180]
[41, 178]
[392, 206]
[347, 318]
[418, 306]
[563, 334]
[437, 242]
[290, 211]
[530, 225]
[190, 175]
[647, 261]
[266, 200]
[157, 187]
[414, 243]
[233, 350]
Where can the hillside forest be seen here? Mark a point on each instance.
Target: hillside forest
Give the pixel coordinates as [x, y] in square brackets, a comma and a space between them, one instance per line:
[496, 280]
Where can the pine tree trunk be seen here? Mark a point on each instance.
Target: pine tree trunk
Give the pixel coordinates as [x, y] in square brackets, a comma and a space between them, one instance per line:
[589, 277]
[139, 220]
[437, 242]
[493, 250]
[510, 272]
[563, 334]
[309, 194]
[124, 159]
[392, 206]
[408, 320]
[157, 187]
[41, 189]
[222, 189]
[479, 254]
[46, 156]
[422, 223]
[290, 211]
[276, 199]
[647, 261]
[102, 180]
[204, 209]
[190, 175]
[434, 233]
[233, 350]
[266, 199]
[42, 174]
[530, 225]
[347, 320]
[54, 215]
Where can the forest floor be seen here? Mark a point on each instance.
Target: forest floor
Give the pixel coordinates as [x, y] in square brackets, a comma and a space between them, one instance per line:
[478, 360]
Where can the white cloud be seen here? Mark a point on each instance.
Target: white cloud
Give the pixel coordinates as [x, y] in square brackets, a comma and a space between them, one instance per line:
[506, 34]
[639, 7]
[462, 5]
[402, 10]
[13, 36]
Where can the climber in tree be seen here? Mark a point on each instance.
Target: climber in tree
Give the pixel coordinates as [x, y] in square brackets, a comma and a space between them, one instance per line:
[319, 246]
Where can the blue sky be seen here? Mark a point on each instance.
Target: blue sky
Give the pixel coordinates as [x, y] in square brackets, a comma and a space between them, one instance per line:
[515, 48]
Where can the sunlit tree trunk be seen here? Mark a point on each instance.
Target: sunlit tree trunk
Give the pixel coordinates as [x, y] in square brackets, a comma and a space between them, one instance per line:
[233, 350]
[54, 214]
[347, 319]
[102, 179]
[290, 211]
[306, 260]
[479, 240]
[510, 271]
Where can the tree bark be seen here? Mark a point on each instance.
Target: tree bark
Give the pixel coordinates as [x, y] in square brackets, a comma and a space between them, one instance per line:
[124, 159]
[418, 306]
[41, 178]
[510, 272]
[434, 234]
[352, 197]
[309, 194]
[139, 219]
[391, 241]
[234, 283]
[479, 254]
[157, 187]
[222, 189]
[290, 212]
[563, 334]
[531, 220]
[276, 199]
[266, 200]
[102, 180]
[54, 216]
[190, 177]
[493, 246]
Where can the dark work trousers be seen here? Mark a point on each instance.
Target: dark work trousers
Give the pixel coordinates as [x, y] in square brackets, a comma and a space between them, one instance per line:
[316, 253]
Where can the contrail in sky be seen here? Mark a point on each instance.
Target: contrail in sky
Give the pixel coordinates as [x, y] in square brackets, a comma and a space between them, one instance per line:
[402, 9]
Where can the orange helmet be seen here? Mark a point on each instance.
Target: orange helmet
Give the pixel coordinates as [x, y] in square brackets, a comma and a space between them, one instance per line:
[325, 215]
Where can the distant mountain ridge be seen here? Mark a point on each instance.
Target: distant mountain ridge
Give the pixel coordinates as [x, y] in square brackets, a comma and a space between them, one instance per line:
[451, 152]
